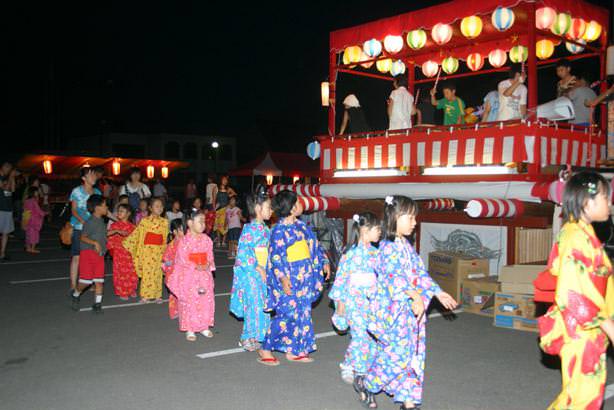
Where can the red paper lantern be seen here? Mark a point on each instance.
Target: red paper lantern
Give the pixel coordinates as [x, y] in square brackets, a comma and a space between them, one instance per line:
[577, 29]
[164, 172]
[150, 171]
[47, 167]
[441, 33]
[497, 58]
[116, 167]
[475, 61]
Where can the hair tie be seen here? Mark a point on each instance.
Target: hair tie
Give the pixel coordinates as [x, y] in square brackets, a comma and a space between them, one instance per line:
[356, 218]
[591, 188]
[389, 200]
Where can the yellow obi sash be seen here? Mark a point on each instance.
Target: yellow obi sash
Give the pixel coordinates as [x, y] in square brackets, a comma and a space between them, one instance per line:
[298, 251]
[262, 254]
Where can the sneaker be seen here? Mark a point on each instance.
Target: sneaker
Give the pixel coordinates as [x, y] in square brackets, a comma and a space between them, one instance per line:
[97, 308]
[75, 302]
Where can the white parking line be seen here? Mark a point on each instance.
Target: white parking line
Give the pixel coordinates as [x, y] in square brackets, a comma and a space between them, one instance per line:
[317, 336]
[34, 261]
[21, 282]
[125, 305]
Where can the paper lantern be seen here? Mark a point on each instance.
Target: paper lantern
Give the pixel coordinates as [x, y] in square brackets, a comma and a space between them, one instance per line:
[592, 32]
[441, 33]
[352, 54]
[439, 204]
[416, 39]
[393, 44]
[497, 58]
[372, 48]
[150, 171]
[471, 26]
[384, 66]
[544, 17]
[577, 29]
[269, 179]
[574, 48]
[494, 208]
[116, 167]
[518, 54]
[398, 68]
[503, 18]
[295, 179]
[449, 65]
[324, 91]
[561, 24]
[475, 61]
[430, 68]
[164, 172]
[544, 49]
[365, 57]
[47, 167]
[313, 150]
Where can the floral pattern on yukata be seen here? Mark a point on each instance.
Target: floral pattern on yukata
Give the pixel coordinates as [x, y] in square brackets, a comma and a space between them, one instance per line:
[125, 280]
[354, 286]
[398, 366]
[584, 298]
[248, 289]
[168, 265]
[147, 259]
[291, 328]
[193, 288]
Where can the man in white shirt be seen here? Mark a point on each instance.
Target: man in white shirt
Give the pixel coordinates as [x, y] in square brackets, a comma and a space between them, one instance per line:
[513, 95]
[159, 190]
[400, 105]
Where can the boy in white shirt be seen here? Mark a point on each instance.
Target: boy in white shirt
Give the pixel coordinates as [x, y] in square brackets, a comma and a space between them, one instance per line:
[513, 95]
[400, 105]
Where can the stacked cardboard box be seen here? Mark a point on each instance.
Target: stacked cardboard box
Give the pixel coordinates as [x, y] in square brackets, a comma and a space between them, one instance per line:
[450, 269]
[514, 305]
[478, 295]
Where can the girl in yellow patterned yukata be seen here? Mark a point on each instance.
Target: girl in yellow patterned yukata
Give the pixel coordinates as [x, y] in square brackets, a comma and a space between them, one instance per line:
[147, 244]
[581, 320]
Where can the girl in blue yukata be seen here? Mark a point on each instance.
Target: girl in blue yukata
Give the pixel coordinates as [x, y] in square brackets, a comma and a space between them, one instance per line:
[249, 282]
[404, 291]
[294, 282]
[354, 286]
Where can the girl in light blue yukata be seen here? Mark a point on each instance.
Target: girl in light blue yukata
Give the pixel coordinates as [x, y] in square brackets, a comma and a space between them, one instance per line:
[404, 291]
[294, 281]
[249, 281]
[354, 286]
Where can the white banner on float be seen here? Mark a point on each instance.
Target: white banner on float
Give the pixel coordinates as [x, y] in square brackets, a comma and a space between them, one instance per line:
[492, 237]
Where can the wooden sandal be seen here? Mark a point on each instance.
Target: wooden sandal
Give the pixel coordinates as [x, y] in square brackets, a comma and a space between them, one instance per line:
[268, 361]
[303, 358]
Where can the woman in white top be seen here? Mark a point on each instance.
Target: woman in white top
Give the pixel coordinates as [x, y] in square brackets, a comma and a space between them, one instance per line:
[210, 192]
[135, 189]
[400, 105]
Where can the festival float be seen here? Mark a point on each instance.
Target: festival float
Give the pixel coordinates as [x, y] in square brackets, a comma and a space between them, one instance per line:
[494, 183]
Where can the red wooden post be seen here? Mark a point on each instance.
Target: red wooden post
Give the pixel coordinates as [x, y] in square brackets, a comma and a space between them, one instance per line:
[332, 84]
[604, 85]
[532, 60]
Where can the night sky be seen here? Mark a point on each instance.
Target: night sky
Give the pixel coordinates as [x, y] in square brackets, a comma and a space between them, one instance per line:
[250, 71]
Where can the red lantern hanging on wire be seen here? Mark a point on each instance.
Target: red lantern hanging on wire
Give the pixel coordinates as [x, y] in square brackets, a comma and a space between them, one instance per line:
[475, 61]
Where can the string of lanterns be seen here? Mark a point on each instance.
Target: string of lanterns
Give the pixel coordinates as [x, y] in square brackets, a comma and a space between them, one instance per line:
[115, 169]
[578, 31]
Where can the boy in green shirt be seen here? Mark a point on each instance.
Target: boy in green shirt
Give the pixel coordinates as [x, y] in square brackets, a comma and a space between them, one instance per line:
[453, 106]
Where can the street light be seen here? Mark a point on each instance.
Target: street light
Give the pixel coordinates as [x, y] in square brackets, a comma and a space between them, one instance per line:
[215, 144]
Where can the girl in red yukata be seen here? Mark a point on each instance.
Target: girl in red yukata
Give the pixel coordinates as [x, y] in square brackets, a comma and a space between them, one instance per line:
[192, 281]
[34, 219]
[125, 280]
[168, 261]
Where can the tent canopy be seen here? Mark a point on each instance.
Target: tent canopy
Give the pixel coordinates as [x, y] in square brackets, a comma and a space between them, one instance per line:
[278, 164]
[454, 11]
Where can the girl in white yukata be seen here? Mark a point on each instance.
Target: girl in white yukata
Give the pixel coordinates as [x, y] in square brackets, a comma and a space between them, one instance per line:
[355, 284]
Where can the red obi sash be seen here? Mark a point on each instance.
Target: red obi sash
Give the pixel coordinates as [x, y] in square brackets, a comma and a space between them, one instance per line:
[198, 258]
[153, 239]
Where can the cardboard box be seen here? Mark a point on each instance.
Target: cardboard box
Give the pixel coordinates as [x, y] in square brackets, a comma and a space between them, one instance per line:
[450, 269]
[520, 273]
[478, 295]
[515, 311]
[532, 244]
[522, 288]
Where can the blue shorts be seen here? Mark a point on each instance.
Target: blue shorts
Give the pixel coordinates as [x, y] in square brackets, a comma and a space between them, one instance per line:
[234, 234]
[75, 244]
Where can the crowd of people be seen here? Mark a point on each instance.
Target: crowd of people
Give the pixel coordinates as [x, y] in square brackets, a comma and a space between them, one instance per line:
[507, 102]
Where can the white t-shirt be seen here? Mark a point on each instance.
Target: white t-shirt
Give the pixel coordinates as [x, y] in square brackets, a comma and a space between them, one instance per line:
[209, 190]
[143, 190]
[509, 107]
[402, 106]
[170, 215]
[45, 191]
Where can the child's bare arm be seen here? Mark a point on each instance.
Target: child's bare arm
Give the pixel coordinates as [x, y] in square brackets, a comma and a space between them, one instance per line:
[92, 242]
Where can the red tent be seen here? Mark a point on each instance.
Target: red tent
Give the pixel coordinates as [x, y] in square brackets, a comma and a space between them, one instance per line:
[278, 164]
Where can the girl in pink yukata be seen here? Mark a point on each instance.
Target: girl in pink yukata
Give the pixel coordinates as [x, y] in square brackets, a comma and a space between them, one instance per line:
[397, 320]
[35, 218]
[192, 281]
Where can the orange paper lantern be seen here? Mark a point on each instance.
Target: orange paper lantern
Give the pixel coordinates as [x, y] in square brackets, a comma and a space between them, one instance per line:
[593, 31]
[441, 33]
[164, 172]
[544, 49]
[47, 167]
[116, 167]
[150, 171]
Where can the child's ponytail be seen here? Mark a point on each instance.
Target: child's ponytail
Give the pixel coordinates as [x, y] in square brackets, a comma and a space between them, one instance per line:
[364, 219]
